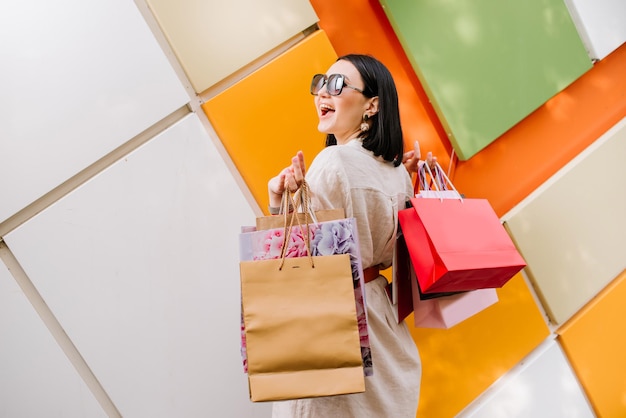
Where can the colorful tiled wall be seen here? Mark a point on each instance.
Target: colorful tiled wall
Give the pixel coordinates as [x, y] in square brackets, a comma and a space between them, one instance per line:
[137, 137]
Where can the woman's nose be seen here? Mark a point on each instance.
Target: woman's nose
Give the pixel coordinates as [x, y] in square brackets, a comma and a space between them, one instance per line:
[323, 91]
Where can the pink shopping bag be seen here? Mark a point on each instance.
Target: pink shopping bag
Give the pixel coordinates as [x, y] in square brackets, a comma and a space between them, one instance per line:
[447, 311]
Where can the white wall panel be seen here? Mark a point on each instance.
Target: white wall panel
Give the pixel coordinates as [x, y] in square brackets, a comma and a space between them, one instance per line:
[601, 24]
[571, 229]
[77, 80]
[36, 378]
[544, 386]
[140, 266]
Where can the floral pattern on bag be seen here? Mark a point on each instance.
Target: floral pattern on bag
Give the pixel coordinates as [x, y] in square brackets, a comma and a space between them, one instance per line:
[327, 238]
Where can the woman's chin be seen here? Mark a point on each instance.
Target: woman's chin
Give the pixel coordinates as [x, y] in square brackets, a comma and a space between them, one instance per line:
[324, 128]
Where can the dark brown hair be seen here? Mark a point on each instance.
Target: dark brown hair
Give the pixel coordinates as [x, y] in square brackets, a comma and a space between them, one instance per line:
[384, 138]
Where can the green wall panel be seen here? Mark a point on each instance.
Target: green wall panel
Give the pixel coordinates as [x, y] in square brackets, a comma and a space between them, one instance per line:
[488, 64]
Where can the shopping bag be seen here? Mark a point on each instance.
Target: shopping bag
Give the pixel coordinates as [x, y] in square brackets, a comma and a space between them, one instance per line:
[330, 237]
[429, 184]
[403, 281]
[446, 311]
[458, 245]
[399, 289]
[343, 238]
[302, 335]
[311, 368]
[337, 237]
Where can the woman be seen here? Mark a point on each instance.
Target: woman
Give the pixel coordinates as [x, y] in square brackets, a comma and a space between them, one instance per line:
[361, 171]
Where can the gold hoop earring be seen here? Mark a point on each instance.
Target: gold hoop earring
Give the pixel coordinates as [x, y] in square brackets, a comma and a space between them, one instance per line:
[364, 126]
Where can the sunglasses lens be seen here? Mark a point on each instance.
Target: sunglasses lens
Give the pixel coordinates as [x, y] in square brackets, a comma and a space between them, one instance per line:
[317, 83]
[335, 84]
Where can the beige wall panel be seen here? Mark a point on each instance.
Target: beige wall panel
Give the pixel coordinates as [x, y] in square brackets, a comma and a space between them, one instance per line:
[571, 229]
[213, 39]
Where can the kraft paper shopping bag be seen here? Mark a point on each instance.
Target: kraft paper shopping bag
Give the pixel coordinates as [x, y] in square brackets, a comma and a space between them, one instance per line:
[303, 309]
[302, 335]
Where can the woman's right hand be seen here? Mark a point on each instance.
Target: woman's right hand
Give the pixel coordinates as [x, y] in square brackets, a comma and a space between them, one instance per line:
[289, 178]
[412, 159]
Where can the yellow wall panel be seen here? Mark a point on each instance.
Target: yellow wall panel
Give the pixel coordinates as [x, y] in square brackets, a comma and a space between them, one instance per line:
[461, 362]
[213, 39]
[595, 342]
[267, 117]
[571, 230]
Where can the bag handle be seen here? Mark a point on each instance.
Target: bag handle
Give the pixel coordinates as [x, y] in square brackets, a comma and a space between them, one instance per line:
[298, 202]
[440, 178]
[304, 201]
[302, 195]
[436, 179]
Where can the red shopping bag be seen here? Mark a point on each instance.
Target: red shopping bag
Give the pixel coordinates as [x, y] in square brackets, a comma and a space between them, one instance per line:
[458, 245]
[432, 310]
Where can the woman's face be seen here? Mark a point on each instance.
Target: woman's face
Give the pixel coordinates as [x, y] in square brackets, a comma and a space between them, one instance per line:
[342, 115]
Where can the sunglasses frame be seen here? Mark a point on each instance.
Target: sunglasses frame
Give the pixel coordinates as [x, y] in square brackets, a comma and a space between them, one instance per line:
[317, 77]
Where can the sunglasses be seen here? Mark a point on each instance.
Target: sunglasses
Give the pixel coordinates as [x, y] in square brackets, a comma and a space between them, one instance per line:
[334, 84]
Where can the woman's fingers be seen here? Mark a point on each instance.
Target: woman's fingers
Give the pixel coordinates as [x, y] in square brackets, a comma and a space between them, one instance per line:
[300, 156]
[297, 171]
[289, 178]
[298, 167]
[411, 158]
[416, 150]
[410, 162]
[276, 187]
[291, 183]
[431, 160]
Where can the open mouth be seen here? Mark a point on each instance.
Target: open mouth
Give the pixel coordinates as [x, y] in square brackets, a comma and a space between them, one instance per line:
[325, 109]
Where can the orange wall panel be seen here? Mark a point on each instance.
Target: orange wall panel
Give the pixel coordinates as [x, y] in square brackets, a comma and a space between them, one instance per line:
[525, 156]
[267, 117]
[595, 342]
